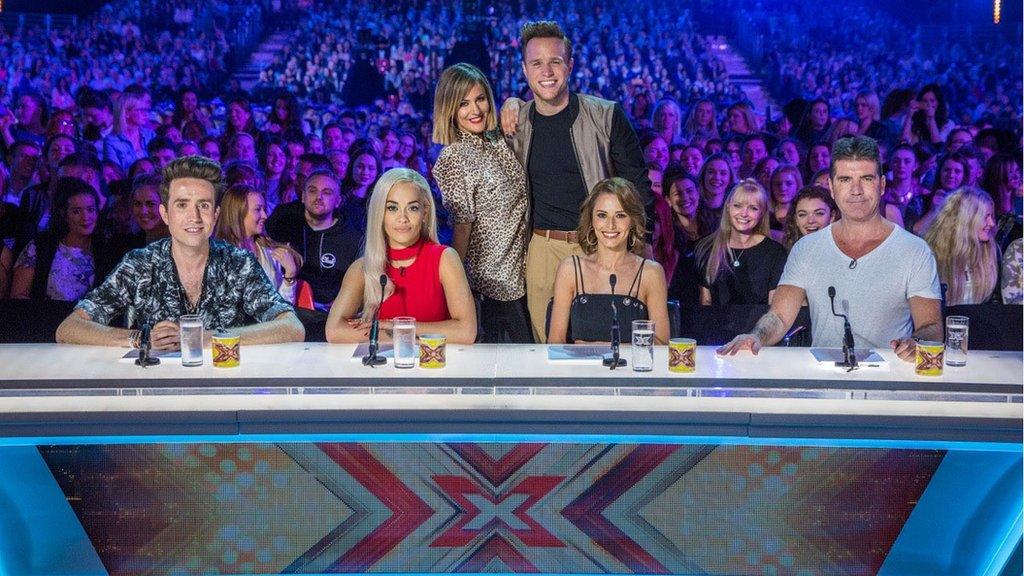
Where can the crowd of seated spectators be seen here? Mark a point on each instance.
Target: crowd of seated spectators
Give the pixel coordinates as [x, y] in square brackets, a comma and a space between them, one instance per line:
[892, 57]
[652, 54]
[82, 142]
[125, 42]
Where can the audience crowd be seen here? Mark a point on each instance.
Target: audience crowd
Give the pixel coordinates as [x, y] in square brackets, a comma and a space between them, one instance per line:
[892, 57]
[91, 114]
[652, 54]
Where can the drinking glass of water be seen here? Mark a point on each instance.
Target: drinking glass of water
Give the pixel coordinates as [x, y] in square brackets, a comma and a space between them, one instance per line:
[956, 340]
[191, 326]
[643, 345]
[404, 335]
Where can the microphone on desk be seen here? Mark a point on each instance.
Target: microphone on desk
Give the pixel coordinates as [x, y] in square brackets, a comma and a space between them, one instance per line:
[612, 360]
[372, 359]
[145, 345]
[849, 354]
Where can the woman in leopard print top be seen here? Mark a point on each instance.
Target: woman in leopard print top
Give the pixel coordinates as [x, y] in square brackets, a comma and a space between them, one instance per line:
[483, 186]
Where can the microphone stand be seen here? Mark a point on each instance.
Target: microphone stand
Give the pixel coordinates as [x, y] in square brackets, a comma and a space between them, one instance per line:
[145, 345]
[612, 360]
[849, 354]
[372, 359]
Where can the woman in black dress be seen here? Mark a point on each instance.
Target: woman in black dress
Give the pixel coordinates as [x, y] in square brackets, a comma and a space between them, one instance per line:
[740, 264]
[611, 235]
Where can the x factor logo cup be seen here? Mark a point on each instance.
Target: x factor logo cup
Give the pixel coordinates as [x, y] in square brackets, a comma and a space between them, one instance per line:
[432, 351]
[227, 351]
[682, 355]
[929, 359]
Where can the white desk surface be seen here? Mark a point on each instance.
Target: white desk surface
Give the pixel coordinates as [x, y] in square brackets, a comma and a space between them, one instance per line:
[317, 376]
[486, 364]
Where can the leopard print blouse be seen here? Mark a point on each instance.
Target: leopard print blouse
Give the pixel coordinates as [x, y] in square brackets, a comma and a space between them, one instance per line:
[482, 183]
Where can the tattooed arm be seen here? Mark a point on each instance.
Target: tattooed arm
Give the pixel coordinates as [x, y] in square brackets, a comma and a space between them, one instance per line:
[772, 326]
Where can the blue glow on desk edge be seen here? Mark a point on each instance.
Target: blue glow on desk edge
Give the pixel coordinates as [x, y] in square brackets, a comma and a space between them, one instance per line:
[516, 438]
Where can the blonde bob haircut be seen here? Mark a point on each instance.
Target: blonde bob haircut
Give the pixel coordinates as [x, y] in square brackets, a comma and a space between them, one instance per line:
[375, 246]
[625, 193]
[453, 87]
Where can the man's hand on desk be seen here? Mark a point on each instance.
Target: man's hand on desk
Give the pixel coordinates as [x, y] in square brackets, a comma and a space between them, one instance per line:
[905, 348]
[741, 342]
[166, 335]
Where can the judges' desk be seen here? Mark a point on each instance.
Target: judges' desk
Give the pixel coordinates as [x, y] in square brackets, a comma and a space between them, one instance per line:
[303, 460]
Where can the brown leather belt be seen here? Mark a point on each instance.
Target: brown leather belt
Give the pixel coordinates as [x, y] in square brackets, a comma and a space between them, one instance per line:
[561, 235]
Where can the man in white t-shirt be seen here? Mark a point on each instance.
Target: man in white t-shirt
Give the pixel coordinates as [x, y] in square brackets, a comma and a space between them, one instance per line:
[884, 277]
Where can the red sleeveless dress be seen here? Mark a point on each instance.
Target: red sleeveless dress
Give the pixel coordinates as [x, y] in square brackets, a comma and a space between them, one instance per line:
[418, 291]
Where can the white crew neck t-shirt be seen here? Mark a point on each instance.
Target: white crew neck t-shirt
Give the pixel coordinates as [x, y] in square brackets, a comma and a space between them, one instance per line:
[874, 292]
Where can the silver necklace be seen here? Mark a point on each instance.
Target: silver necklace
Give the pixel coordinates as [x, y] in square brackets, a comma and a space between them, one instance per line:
[736, 256]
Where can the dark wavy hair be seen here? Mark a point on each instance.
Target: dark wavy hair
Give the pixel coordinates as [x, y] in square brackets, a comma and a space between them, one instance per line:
[359, 148]
[291, 104]
[920, 124]
[807, 193]
[996, 177]
[855, 148]
[66, 188]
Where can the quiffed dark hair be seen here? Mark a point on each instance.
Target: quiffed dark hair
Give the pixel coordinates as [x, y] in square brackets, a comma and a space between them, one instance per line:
[193, 167]
[855, 148]
[543, 29]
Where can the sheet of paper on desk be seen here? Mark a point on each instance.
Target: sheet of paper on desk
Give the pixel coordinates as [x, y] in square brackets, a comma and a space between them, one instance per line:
[164, 355]
[384, 351]
[582, 353]
[832, 355]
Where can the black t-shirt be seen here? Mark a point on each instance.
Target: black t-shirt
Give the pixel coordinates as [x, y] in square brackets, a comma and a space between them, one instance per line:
[326, 254]
[760, 268]
[556, 182]
[685, 284]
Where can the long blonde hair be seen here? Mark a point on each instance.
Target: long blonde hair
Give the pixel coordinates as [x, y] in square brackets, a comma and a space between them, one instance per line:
[717, 245]
[375, 246]
[455, 83]
[954, 239]
[693, 127]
